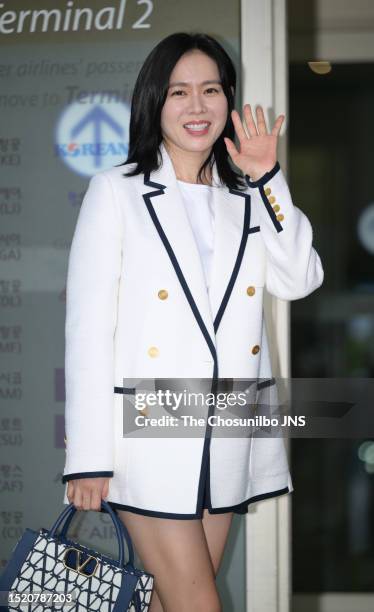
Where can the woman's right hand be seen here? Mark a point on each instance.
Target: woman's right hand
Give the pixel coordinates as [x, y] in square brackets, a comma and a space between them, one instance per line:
[87, 493]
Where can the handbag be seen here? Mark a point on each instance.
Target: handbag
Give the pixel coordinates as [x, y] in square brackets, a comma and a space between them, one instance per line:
[72, 576]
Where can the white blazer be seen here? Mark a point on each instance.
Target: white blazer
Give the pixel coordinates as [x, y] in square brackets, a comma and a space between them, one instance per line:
[137, 307]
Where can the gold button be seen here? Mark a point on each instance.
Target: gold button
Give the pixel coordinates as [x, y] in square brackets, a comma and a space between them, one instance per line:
[267, 191]
[153, 351]
[276, 208]
[251, 290]
[271, 199]
[280, 217]
[144, 411]
[162, 294]
[255, 349]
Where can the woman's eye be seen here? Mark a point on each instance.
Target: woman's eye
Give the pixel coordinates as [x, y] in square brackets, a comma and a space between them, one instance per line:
[209, 90]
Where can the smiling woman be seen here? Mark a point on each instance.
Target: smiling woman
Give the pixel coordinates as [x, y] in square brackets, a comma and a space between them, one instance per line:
[181, 240]
[194, 113]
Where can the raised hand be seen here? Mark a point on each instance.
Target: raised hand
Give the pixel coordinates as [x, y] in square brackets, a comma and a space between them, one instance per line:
[258, 151]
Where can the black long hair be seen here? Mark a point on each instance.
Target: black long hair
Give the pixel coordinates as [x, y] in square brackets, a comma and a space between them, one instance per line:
[149, 97]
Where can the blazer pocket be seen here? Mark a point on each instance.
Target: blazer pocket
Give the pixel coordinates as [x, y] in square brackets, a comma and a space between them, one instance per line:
[254, 229]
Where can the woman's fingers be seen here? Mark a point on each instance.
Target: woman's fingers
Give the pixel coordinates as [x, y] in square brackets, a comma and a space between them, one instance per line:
[105, 490]
[231, 148]
[78, 501]
[277, 125]
[86, 499]
[249, 121]
[87, 493]
[239, 129]
[261, 136]
[70, 491]
[95, 500]
[261, 123]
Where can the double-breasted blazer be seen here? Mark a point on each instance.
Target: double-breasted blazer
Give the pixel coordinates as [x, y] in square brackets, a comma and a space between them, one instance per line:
[137, 307]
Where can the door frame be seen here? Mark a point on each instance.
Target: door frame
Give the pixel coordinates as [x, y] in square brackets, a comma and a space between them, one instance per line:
[268, 523]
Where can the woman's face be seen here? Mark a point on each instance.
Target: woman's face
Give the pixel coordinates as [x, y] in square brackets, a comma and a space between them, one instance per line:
[195, 111]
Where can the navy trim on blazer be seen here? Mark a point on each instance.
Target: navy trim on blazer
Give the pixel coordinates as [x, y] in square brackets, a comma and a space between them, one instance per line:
[147, 199]
[204, 470]
[204, 479]
[266, 383]
[263, 179]
[260, 184]
[125, 390]
[240, 508]
[270, 209]
[205, 467]
[78, 475]
[203, 497]
[239, 258]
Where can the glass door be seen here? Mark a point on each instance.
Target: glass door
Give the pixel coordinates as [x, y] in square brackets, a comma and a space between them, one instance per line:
[331, 175]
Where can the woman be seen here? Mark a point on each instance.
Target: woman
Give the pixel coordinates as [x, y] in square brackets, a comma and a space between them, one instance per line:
[167, 267]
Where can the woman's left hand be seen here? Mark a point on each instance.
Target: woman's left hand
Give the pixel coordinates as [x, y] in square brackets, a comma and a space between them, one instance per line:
[258, 151]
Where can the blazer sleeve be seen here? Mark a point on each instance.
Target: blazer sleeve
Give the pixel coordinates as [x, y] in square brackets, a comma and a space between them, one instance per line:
[293, 266]
[94, 269]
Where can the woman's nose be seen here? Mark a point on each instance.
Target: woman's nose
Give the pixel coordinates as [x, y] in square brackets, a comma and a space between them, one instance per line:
[197, 102]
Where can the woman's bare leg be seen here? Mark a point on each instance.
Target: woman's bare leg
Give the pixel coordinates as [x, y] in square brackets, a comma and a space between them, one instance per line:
[216, 528]
[177, 553]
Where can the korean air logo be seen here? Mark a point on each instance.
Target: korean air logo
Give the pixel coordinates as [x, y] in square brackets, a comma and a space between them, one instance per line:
[93, 136]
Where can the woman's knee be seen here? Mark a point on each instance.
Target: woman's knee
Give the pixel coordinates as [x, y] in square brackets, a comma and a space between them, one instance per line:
[189, 597]
[204, 605]
[182, 595]
[208, 602]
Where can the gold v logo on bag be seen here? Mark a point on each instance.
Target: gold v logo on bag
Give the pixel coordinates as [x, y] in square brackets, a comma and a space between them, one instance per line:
[80, 562]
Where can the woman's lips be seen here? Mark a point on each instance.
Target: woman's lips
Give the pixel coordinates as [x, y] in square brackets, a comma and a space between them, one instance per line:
[197, 129]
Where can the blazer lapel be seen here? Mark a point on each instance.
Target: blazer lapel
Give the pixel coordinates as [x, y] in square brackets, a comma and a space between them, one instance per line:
[165, 205]
[232, 212]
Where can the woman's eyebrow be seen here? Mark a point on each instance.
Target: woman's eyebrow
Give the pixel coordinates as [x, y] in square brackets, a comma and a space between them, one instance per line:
[186, 84]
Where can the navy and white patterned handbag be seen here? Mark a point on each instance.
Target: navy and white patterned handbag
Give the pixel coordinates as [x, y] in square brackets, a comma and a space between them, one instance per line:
[47, 562]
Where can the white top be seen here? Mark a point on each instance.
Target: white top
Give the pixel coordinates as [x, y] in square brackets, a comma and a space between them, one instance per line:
[198, 202]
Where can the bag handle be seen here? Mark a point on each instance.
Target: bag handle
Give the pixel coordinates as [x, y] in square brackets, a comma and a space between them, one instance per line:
[67, 515]
[126, 534]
